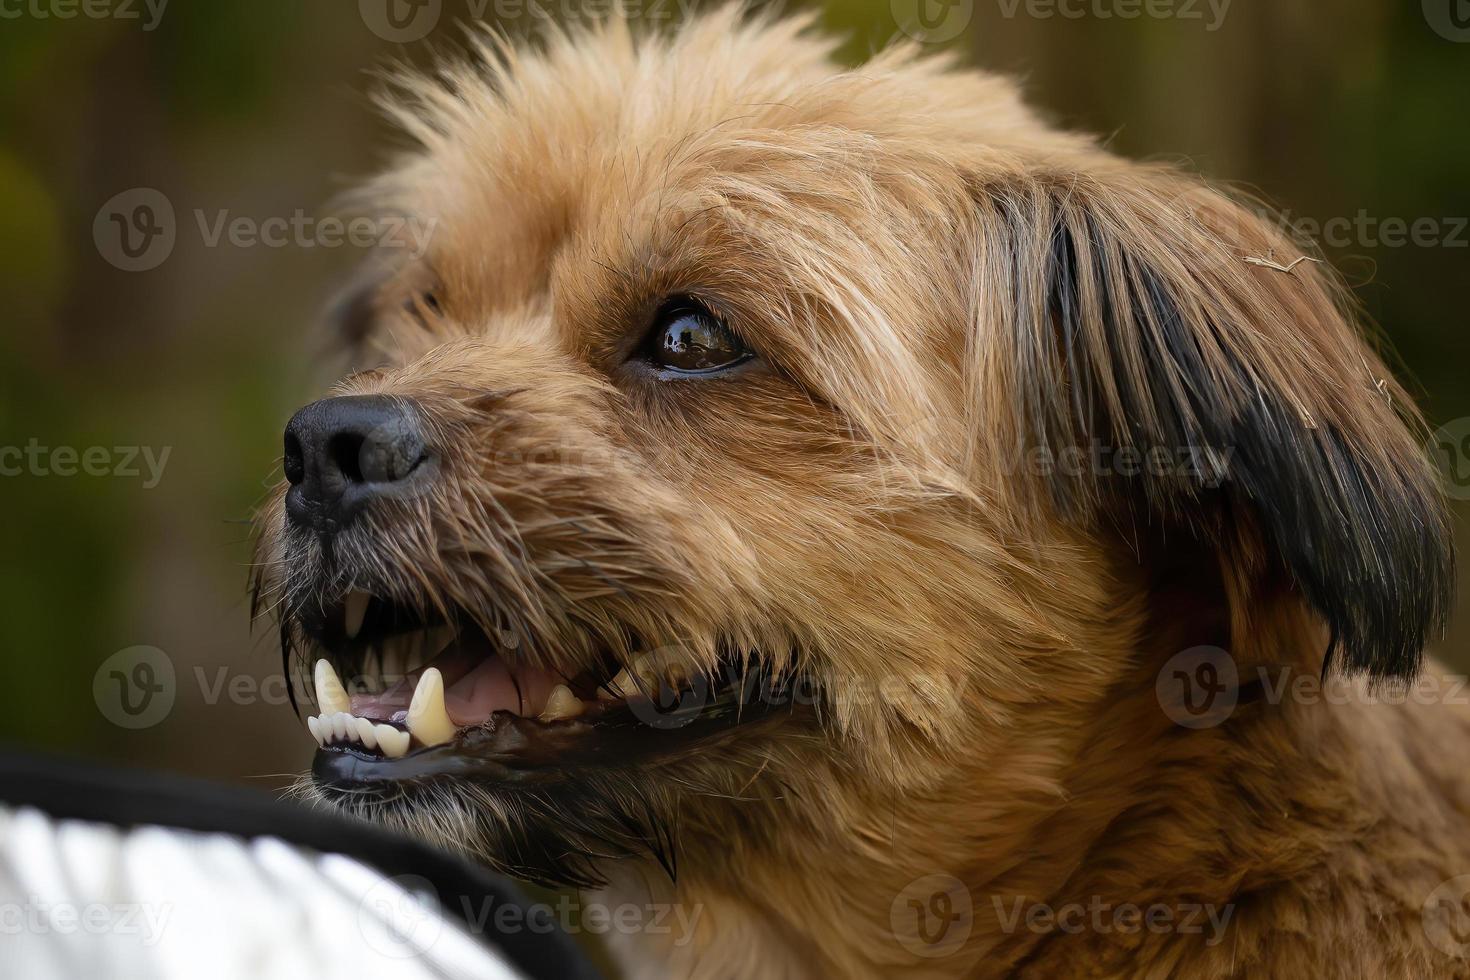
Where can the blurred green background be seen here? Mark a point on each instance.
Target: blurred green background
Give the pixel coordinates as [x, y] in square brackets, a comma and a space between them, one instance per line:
[257, 108]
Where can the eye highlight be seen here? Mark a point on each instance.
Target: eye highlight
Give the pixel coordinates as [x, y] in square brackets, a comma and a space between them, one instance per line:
[687, 339]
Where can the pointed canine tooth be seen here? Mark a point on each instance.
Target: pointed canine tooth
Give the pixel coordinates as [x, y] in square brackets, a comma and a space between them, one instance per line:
[313, 726]
[357, 604]
[366, 733]
[562, 704]
[330, 695]
[427, 718]
[392, 741]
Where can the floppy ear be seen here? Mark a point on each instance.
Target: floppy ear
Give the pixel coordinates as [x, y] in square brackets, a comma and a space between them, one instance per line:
[1137, 308]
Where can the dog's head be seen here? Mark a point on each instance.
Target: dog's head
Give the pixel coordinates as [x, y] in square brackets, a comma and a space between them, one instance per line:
[757, 444]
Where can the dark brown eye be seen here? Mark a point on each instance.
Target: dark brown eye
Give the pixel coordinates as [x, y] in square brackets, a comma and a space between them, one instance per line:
[689, 339]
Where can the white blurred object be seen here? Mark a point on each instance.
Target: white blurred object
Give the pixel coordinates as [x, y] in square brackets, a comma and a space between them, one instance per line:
[82, 900]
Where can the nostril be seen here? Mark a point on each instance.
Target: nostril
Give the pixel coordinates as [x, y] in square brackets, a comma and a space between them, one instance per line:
[345, 450]
[293, 462]
[388, 452]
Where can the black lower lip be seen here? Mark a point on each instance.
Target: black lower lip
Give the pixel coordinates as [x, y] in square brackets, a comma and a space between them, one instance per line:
[515, 750]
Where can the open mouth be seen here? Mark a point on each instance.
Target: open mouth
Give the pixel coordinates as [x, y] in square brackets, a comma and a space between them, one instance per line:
[402, 698]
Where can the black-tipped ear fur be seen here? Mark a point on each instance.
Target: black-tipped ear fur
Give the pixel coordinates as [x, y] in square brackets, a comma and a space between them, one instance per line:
[1148, 311]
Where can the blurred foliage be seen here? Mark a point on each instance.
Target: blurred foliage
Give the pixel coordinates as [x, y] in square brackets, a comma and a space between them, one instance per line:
[258, 107]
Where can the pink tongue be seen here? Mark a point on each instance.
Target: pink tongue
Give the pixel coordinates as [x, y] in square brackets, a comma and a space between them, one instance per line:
[490, 687]
[477, 684]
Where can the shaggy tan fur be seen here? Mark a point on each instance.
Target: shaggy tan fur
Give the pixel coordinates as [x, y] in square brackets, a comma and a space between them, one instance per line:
[947, 295]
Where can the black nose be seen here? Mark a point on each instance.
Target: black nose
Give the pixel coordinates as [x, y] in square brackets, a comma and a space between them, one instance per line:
[343, 452]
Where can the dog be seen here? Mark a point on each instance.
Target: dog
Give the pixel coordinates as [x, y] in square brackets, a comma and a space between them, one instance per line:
[901, 537]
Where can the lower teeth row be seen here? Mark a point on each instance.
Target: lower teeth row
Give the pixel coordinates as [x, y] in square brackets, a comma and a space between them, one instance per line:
[340, 726]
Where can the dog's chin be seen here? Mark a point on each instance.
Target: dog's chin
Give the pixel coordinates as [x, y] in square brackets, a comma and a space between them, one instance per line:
[544, 773]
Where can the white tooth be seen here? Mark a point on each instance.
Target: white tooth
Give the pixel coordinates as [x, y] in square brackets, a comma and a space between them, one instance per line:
[329, 692]
[365, 733]
[339, 726]
[315, 728]
[392, 741]
[562, 704]
[357, 604]
[427, 718]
